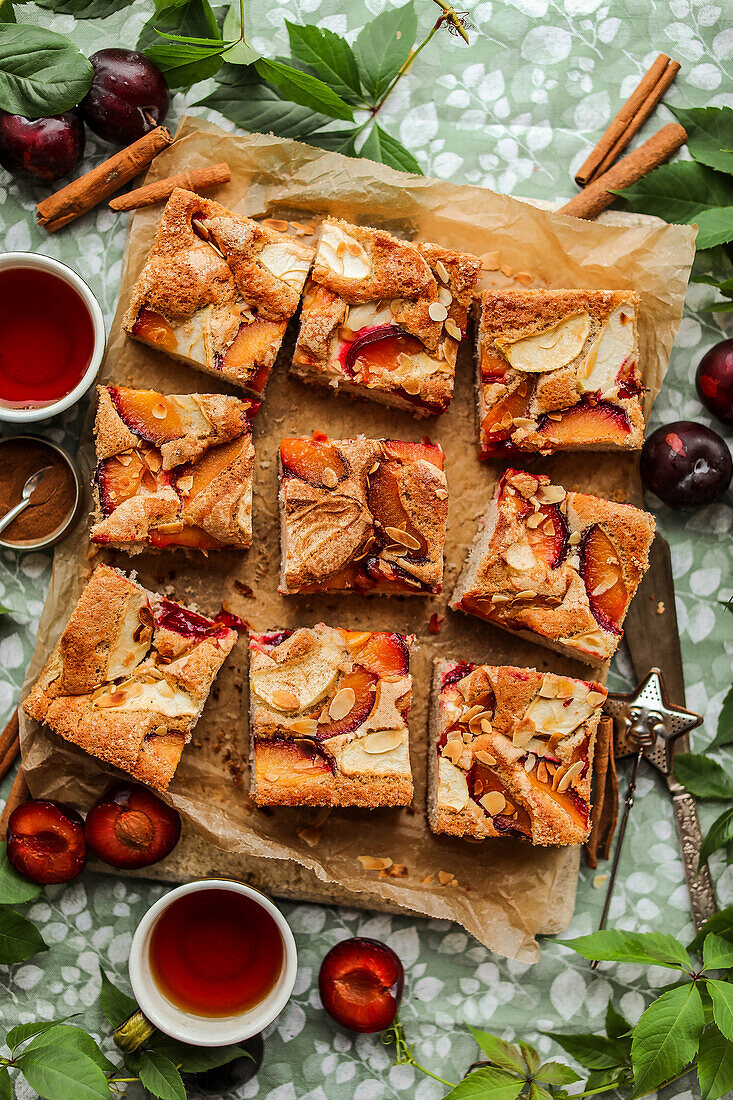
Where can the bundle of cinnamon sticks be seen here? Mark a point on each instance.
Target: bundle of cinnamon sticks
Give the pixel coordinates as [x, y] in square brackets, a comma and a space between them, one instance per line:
[601, 172]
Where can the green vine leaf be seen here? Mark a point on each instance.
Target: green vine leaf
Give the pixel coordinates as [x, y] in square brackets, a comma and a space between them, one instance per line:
[256, 106]
[555, 1073]
[714, 1065]
[717, 953]
[19, 939]
[720, 923]
[487, 1084]
[60, 1072]
[687, 192]
[160, 1076]
[241, 52]
[190, 1059]
[6, 1087]
[709, 131]
[84, 9]
[719, 834]
[187, 18]
[41, 73]
[304, 89]
[184, 63]
[337, 141]
[116, 1005]
[592, 1051]
[617, 1026]
[703, 776]
[504, 1055]
[721, 994]
[383, 47]
[14, 888]
[649, 948]
[666, 1037]
[22, 1032]
[383, 148]
[7, 15]
[329, 56]
[68, 1037]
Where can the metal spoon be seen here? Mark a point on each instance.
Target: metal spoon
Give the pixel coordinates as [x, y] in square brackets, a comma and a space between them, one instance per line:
[31, 484]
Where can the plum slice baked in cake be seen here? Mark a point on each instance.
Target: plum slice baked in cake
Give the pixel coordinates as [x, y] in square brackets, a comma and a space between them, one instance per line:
[559, 568]
[382, 318]
[510, 753]
[362, 515]
[172, 470]
[129, 676]
[217, 290]
[558, 370]
[328, 718]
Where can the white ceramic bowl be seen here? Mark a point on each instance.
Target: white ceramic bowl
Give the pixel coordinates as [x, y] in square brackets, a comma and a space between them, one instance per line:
[55, 267]
[209, 1031]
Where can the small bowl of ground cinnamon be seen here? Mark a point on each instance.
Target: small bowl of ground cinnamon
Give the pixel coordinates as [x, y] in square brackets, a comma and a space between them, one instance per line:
[54, 502]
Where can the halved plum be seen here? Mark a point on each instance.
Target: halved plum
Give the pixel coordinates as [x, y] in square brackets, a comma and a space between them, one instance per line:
[600, 421]
[549, 539]
[153, 328]
[46, 841]
[128, 826]
[376, 350]
[149, 414]
[383, 498]
[299, 763]
[405, 449]
[195, 476]
[379, 652]
[360, 983]
[363, 684]
[251, 345]
[308, 459]
[119, 478]
[603, 575]
[508, 818]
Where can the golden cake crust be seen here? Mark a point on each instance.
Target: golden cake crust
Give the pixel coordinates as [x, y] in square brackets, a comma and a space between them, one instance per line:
[121, 685]
[502, 762]
[328, 529]
[602, 550]
[328, 718]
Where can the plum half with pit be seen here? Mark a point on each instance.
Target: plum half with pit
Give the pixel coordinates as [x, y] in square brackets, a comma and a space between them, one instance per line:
[130, 827]
[361, 982]
[714, 381]
[41, 148]
[46, 841]
[128, 96]
[686, 464]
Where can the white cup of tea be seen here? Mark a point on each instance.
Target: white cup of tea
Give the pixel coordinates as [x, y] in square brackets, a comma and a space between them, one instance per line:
[45, 305]
[213, 963]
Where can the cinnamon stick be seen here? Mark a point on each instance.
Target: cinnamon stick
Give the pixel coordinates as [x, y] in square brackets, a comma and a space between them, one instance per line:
[9, 744]
[19, 793]
[605, 797]
[589, 167]
[639, 118]
[594, 198]
[151, 193]
[84, 194]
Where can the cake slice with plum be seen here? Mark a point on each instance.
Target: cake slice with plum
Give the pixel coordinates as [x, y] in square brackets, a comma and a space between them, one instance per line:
[559, 568]
[129, 676]
[511, 753]
[558, 370]
[362, 515]
[328, 717]
[172, 471]
[217, 290]
[382, 318]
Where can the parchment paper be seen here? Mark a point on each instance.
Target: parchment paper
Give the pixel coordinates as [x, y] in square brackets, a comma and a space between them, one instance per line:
[506, 891]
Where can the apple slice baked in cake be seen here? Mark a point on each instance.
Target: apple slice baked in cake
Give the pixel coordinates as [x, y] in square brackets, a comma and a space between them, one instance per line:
[172, 471]
[510, 753]
[382, 318]
[558, 568]
[217, 290]
[558, 370]
[129, 676]
[328, 717]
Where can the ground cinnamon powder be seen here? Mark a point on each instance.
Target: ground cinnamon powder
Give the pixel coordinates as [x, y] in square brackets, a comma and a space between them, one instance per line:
[51, 501]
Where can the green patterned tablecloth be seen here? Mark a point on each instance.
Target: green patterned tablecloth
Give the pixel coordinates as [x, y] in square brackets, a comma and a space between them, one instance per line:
[515, 112]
